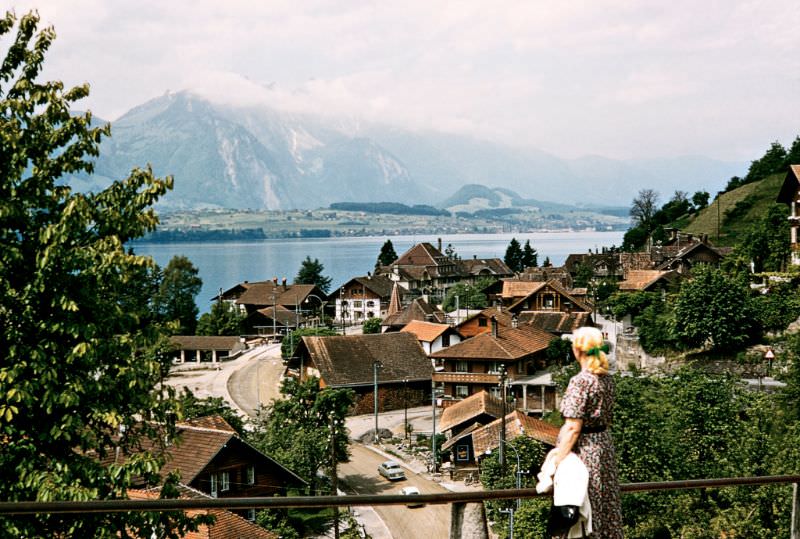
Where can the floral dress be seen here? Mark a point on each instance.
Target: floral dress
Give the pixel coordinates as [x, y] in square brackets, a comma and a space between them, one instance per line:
[591, 397]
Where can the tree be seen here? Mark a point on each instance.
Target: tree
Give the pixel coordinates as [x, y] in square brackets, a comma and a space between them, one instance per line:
[584, 274]
[469, 297]
[296, 430]
[311, 273]
[644, 208]
[766, 244]
[714, 309]
[191, 407]
[513, 258]
[224, 319]
[371, 325]
[700, 199]
[175, 299]
[78, 366]
[387, 254]
[529, 256]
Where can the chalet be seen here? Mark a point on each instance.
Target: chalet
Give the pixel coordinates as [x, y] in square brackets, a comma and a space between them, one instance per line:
[679, 252]
[604, 263]
[480, 408]
[648, 281]
[395, 360]
[273, 321]
[425, 270]
[205, 348]
[211, 458]
[419, 310]
[487, 438]
[433, 337]
[250, 297]
[549, 297]
[790, 195]
[476, 364]
[481, 322]
[361, 298]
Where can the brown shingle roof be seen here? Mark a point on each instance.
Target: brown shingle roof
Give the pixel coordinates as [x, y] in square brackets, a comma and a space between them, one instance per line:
[283, 316]
[491, 266]
[260, 293]
[642, 279]
[421, 254]
[555, 285]
[470, 408]
[555, 322]
[425, 331]
[513, 288]
[348, 360]
[419, 309]
[517, 424]
[510, 344]
[379, 284]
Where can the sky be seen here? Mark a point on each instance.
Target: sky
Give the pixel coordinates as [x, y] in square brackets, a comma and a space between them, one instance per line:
[621, 79]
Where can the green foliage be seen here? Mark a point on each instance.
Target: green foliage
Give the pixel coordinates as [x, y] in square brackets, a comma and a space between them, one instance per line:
[778, 308]
[224, 319]
[766, 243]
[583, 275]
[290, 342]
[371, 325]
[700, 199]
[714, 309]
[634, 239]
[529, 256]
[387, 254]
[191, 407]
[623, 304]
[174, 300]
[469, 297]
[310, 272]
[296, 430]
[78, 362]
[513, 257]
[559, 352]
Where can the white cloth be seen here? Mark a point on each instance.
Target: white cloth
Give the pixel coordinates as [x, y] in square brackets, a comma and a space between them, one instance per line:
[570, 484]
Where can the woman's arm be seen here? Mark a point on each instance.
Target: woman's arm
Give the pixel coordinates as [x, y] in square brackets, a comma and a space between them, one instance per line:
[567, 437]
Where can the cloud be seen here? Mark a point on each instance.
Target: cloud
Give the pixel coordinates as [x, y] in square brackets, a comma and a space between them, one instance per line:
[616, 78]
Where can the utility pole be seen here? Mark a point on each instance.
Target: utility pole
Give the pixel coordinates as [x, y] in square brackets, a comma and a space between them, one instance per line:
[334, 477]
[433, 432]
[375, 366]
[502, 449]
[405, 409]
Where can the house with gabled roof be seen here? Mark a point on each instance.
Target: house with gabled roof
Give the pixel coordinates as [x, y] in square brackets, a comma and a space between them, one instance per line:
[555, 322]
[252, 296]
[433, 337]
[417, 309]
[211, 457]
[648, 280]
[481, 408]
[481, 322]
[364, 297]
[205, 348]
[549, 297]
[273, 322]
[487, 438]
[476, 364]
[403, 371]
[790, 195]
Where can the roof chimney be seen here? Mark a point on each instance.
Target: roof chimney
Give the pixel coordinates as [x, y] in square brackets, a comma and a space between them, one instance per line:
[494, 326]
[274, 281]
[283, 282]
[514, 322]
[439, 244]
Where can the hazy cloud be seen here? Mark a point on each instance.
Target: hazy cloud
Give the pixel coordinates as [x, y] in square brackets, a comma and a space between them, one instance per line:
[617, 78]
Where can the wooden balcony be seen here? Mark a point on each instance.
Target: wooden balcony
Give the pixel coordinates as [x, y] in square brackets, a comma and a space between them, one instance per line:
[466, 378]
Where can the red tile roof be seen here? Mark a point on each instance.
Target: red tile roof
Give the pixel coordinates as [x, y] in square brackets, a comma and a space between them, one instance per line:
[642, 279]
[470, 408]
[425, 331]
[510, 344]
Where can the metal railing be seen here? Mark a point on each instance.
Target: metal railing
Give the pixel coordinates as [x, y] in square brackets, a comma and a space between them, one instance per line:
[458, 499]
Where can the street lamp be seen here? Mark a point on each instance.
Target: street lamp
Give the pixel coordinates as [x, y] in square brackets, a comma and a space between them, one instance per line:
[405, 408]
[322, 307]
[510, 510]
[375, 366]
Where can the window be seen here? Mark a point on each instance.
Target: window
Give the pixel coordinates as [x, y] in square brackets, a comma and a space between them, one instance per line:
[213, 485]
[251, 515]
[482, 322]
[225, 481]
[370, 303]
[462, 392]
[446, 339]
[494, 391]
[495, 367]
[462, 453]
[356, 304]
[462, 366]
[250, 475]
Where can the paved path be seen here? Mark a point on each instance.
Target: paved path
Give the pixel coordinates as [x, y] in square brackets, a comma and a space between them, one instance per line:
[258, 382]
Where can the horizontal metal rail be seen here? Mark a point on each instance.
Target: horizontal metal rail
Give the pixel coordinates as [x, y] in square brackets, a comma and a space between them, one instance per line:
[116, 506]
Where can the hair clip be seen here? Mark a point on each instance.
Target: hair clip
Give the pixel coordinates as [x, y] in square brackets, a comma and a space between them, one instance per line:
[595, 350]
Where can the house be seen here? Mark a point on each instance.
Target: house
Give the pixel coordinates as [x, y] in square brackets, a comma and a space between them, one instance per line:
[557, 323]
[790, 195]
[604, 263]
[433, 337]
[648, 281]
[487, 438]
[549, 297]
[274, 322]
[538, 393]
[481, 322]
[481, 408]
[205, 348]
[418, 309]
[395, 362]
[227, 525]
[361, 298]
[425, 270]
[211, 458]
[476, 364]
[250, 297]
[679, 252]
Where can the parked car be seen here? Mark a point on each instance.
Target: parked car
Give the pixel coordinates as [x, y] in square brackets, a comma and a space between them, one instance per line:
[391, 470]
[412, 491]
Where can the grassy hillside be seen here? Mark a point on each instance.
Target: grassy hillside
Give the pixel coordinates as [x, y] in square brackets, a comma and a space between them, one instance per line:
[754, 200]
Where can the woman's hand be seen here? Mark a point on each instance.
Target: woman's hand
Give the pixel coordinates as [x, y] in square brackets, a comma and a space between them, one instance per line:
[567, 437]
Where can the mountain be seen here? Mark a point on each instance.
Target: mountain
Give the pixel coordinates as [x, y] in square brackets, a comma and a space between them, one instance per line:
[258, 157]
[473, 197]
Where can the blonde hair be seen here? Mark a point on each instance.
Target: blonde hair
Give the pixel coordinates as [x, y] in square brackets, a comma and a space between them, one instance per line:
[589, 338]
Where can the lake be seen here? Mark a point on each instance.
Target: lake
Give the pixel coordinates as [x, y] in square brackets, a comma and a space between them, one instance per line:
[224, 264]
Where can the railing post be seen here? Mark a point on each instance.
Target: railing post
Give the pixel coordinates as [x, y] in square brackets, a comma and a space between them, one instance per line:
[468, 521]
[795, 513]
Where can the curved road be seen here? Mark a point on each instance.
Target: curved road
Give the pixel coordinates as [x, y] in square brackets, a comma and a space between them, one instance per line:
[360, 476]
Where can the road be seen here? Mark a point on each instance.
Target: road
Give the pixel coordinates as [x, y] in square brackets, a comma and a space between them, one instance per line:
[360, 476]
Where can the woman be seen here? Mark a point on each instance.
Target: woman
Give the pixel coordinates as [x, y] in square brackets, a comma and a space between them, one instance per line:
[587, 408]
